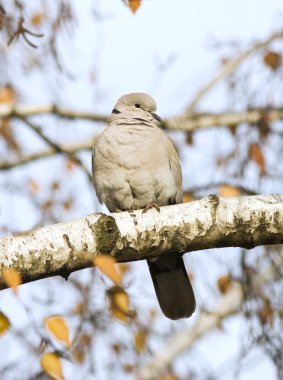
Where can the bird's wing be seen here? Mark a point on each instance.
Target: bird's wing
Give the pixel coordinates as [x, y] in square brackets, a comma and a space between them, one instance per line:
[175, 168]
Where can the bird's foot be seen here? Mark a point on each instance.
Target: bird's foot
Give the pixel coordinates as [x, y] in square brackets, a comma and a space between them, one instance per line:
[151, 205]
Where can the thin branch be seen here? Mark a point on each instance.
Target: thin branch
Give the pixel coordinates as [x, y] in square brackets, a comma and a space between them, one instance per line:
[57, 148]
[211, 222]
[183, 123]
[69, 148]
[228, 305]
[229, 67]
[198, 121]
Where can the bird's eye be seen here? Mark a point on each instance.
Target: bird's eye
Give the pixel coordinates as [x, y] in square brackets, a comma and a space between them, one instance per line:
[137, 105]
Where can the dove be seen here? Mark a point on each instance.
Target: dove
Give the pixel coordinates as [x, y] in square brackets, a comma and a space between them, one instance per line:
[135, 166]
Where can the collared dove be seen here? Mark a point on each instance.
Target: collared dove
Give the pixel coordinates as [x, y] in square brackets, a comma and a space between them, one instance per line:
[135, 165]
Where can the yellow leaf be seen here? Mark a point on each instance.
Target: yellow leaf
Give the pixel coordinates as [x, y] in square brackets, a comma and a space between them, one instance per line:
[228, 191]
[134, 5]
[119, 303]
[12, 278]
[51, 364]
[140, 340]
[106, 264]
[4, 323]
[58, 327]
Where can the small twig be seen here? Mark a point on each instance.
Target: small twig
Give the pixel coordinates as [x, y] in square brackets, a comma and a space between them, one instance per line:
[22, 31]
[229, 67]
[56, 147]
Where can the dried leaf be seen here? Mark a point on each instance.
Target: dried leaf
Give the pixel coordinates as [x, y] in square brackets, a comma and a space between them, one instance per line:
[106, 265]
[33, 186]
[256, 155]
[140, 340]
[58, 327]
[51, 364]
[224, 283]
[228, 191]
[266, 314]
[273, 60]
[7, 95]
[134, 5]
[79, 355]
[7, 133]
[189, 138]
[12, 278]
[187, 197]
[124, 268]
[4, 323]
[37, 18]
[119, 303]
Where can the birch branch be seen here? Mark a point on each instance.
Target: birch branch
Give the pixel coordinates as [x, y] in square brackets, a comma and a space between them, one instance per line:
[211, 222]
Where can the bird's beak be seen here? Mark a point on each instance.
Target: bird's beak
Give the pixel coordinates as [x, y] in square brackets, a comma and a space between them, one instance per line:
[158, 118]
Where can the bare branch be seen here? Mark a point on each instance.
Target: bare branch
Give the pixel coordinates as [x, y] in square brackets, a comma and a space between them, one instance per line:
[228, 305]
[229, 67]
[69, 148]
[184, 123]
[208, 223]
[57, 148]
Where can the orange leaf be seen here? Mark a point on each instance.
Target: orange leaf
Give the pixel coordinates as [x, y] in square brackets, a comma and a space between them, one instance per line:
[187, 197]
[224, 283]
[140, 340]
[228, 191]
[12, 278]
[58, 327]
[106, 264]
[7, 94]
[37, 18]
[4, 323]
[256, 155]
[273, 60]
[51, 364]
[134, 5]
[119, 303]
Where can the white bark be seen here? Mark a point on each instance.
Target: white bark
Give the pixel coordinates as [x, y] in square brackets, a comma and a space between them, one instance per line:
[208, 223]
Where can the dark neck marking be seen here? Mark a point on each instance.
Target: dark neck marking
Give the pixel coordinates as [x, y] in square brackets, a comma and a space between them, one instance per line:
[115, 110]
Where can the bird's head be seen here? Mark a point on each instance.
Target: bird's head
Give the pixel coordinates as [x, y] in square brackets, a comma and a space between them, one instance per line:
[138, 105]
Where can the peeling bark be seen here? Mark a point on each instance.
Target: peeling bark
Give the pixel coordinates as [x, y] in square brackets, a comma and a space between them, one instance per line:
[211, 222]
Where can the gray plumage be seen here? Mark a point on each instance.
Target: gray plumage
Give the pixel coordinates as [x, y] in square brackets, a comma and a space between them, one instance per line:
[134, 164]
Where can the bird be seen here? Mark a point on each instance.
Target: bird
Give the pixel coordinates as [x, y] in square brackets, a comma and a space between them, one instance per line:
[135, 166]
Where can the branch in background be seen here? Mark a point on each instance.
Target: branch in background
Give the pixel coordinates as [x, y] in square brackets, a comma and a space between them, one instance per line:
[19, 111]
[199, 121]
[229, 67]
[185, 123]
[228, 305]
[69, 148]
[57, 148]
[211, 222]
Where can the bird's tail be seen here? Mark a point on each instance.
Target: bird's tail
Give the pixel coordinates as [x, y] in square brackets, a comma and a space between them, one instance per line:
[172, 286]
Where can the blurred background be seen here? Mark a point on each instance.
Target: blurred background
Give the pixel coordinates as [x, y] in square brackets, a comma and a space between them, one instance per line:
[215, 70]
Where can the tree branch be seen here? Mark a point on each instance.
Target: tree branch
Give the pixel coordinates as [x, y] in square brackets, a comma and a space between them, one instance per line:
[229, 67]
[229, 304]
[211, 222]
